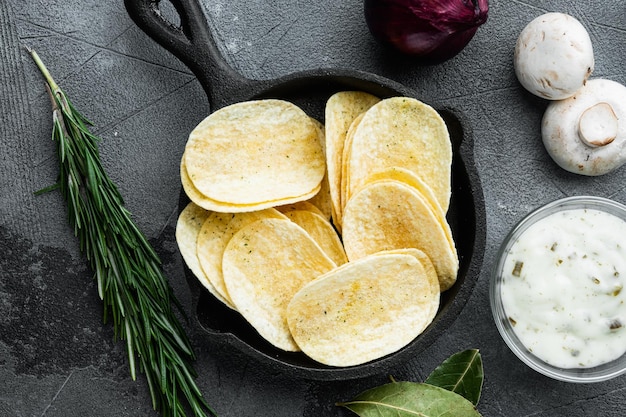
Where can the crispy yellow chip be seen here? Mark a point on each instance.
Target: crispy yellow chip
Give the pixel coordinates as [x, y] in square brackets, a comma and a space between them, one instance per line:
[213, 236]
[340, 111]
[431, 275]
[406, 133]
[209, 204]
[264, 265]
[408, 177]
[390, 214]
[362, 310]
[300, 205]
[412, 179]
[322, 199]
[188, 228]
[321, 133]
[254, 152]
[345, 179]
[321, 231]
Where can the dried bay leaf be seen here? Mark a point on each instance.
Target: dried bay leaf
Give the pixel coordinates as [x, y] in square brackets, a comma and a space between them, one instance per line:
[410, 399]
[461, 373]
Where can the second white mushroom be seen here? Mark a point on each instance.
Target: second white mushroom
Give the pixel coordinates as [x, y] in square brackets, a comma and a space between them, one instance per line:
[586, 133]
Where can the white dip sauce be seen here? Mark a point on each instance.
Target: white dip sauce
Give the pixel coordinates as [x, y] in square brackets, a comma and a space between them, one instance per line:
[562, 288]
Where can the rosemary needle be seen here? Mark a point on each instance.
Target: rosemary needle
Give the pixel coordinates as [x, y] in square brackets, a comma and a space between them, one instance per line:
[131, 284]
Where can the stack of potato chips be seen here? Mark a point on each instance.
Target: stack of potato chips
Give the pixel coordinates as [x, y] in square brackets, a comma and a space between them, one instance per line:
[328, 239]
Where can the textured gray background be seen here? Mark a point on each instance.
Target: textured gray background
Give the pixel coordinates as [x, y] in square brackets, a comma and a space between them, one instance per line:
[56, 356]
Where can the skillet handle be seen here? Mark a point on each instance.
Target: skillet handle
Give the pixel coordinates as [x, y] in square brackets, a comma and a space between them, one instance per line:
[192, 43]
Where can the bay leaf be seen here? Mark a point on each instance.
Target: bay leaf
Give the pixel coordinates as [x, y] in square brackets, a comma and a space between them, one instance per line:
[410, 399]
[461, 373]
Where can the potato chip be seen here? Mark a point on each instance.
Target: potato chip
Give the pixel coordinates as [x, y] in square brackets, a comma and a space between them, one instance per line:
[341, 109]
[345, 179]
[321, 133]
[406, 133]
[410, 178]
[188, 228]
[390, 214]
[214, 235]
[429, 270]
[209, 204]
[255, 151]
[264, 265]
[321, 231]
[300, 205]
[322, 199]
[362, 310]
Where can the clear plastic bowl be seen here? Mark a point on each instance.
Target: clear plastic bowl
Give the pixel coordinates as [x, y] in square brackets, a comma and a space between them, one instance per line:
[598, 373]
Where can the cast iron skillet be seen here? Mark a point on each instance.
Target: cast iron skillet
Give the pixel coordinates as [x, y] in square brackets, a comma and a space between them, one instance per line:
[193, 44]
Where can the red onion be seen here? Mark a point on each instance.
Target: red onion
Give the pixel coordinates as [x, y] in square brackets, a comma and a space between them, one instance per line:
[431, 30]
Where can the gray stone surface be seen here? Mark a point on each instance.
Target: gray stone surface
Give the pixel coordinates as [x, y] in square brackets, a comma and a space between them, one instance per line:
[57, 358]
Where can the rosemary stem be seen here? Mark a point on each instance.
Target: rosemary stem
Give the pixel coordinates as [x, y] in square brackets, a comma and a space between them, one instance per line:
[44, 71]
[131, 283]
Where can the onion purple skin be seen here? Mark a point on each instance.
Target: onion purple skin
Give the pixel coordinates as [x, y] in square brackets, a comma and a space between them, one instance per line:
[432, 31]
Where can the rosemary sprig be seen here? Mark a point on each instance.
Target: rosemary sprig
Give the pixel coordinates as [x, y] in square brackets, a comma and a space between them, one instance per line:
[131, 284]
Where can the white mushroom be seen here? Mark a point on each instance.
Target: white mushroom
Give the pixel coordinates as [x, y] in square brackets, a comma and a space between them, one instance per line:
[586, 133]
[553, 56]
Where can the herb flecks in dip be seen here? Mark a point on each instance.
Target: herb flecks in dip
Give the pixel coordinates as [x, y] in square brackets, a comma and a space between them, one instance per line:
[562, 288]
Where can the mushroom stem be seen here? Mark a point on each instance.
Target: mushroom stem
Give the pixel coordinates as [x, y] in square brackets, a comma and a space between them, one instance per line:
[598, 125]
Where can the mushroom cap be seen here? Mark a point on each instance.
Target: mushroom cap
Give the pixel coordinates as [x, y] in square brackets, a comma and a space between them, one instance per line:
[553, 56]
[586, 133]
